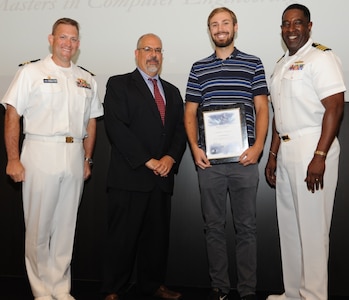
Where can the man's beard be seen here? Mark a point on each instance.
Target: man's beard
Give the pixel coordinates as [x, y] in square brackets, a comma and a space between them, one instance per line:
[152, 69]
[223, 44]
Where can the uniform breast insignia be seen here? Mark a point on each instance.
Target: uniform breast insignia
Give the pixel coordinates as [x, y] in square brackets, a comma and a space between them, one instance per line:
[297, 66]
[321, 47]
[28, 62]
[86, 71]
[83, 83]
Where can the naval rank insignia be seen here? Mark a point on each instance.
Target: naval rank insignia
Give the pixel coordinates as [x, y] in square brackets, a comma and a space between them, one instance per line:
[28, 62]
[321, 47]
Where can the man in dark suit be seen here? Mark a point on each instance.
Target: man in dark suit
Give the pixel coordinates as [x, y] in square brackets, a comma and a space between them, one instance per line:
[147, 144]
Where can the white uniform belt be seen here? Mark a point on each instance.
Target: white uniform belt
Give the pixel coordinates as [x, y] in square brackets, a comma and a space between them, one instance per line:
[298, 133]
[54, 138]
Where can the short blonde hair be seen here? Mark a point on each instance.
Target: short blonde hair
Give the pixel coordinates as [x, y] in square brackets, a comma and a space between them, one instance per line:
[65, 21]
[219, 10]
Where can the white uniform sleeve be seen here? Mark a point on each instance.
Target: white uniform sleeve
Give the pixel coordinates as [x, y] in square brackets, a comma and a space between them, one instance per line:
[18, 91]
[328, 75]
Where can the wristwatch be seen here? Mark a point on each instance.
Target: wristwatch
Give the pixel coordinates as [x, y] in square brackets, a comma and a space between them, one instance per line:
[89, 160]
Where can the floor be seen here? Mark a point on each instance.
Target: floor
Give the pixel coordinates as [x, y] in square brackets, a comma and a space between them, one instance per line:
[18, 289]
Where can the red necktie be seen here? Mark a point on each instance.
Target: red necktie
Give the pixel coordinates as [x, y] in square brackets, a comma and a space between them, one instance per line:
[159, 100]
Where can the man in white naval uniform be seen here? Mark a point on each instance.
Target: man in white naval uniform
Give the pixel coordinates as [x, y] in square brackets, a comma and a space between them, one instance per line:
[307, 93]
[59, 104]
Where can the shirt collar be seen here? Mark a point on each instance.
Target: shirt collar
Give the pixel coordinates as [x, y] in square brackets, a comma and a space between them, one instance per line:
[146, 76]
[301, 50]
[231, 56]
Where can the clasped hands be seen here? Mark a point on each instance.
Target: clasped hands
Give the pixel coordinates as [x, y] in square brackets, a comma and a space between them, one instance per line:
[162, 166]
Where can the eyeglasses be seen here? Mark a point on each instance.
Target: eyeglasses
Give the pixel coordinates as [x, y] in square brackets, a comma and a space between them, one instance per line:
[150, 50]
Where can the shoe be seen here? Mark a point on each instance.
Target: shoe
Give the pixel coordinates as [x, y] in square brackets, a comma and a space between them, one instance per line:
[164, 293]
[249, 297]
[217, 294]
[112, 297]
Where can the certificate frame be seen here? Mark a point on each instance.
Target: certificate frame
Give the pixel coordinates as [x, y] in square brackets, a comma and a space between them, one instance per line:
[223, 132]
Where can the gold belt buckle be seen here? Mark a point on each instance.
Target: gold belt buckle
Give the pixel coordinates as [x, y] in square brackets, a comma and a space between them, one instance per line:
[285, 138]
[69, 139]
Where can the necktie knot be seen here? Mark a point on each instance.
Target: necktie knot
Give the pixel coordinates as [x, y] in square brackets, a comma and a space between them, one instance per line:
[159, 99]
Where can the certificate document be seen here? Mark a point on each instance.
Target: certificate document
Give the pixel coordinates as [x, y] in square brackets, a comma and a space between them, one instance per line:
[224, 133]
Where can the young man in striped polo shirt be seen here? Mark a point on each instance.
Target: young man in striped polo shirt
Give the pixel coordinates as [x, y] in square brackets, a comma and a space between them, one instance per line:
[225, 78]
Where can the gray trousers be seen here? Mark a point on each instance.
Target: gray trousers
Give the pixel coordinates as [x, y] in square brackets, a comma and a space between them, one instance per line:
[241, 184]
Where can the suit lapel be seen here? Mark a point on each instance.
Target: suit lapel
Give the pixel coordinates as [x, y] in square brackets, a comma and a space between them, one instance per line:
[147, 94]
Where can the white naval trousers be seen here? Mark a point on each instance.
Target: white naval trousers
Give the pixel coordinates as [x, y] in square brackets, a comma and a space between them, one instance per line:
[304, 218]
[51, 195]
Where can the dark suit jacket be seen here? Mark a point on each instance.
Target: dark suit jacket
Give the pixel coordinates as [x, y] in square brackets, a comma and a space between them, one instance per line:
[136, 132]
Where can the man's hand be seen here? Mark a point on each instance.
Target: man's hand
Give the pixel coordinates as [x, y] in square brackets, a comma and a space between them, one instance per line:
[249, 156]
[315, 173]
[87, 170]
[200, 158]
[15, 170]
[270, 170]
[162, 166]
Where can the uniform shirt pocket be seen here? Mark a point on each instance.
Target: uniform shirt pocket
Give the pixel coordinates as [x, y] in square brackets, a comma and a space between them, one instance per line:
[292, 84]
[52, 95]
[83, 101]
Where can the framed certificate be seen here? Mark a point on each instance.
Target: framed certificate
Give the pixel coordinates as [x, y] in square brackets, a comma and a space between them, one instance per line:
[223, 132]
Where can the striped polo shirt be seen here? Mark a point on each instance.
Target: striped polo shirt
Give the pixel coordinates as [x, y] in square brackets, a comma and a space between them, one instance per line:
[235, 80]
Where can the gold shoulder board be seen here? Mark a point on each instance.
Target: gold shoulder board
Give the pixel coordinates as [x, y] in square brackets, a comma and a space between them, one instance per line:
[86, 71]
[321, 47]
[28, 62]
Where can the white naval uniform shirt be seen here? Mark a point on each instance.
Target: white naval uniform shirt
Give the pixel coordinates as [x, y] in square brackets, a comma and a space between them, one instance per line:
[54, 100]
[298, 85]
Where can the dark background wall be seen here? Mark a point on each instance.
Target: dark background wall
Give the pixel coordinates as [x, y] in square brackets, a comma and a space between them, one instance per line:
[187, 260]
